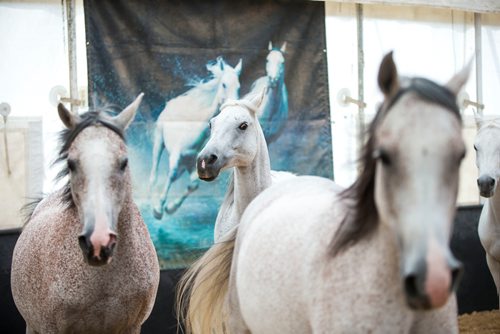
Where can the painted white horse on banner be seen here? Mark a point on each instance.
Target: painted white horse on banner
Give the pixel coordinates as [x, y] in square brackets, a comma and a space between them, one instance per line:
[487, 146]
[85, 262]
[273, 113]
[310, 258]
[182, 129]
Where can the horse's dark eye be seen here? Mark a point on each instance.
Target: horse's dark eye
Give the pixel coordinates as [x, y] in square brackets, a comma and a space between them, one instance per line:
[123, 164]
[71, 165]
[243, 126]
[224, 85]
[383, 156]
[475, 147]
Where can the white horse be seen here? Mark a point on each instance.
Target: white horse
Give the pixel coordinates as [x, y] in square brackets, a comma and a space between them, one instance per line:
[84, 262]
[273, 112]
[236, 141]
[182, 129]
[487, 146]
[375, 257]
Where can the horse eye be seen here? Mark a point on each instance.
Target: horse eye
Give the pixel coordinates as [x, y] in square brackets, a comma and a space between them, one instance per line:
[243, 126]
[475, 148]
[383, 156]
[71, 165]
[224, 85]
[124, 164]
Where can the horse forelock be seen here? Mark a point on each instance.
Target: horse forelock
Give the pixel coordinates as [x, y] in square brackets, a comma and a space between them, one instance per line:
[362, 216]
[68, 136]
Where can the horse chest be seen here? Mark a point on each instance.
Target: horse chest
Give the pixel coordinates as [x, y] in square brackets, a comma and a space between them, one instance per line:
[489, 231]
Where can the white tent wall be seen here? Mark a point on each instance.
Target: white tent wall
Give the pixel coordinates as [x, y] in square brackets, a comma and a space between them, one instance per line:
[427, 41]
[34, 60]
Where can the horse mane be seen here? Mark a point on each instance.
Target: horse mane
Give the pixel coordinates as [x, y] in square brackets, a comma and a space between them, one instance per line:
[362, 217]
[68, 136]
[28, 209]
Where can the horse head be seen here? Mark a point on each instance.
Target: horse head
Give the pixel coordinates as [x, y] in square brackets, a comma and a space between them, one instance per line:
[97, 165]
[228, 86]
[234, 138]
[275, 64]
[416, 149]
[487, 146]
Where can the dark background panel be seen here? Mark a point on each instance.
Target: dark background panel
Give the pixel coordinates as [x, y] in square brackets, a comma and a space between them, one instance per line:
[162, 48]
[476, 291]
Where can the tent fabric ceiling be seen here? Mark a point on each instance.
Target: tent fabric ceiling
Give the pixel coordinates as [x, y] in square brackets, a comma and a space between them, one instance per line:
[480, 6]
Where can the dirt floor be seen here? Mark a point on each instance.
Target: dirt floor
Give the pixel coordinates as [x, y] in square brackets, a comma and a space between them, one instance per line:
[486, 322]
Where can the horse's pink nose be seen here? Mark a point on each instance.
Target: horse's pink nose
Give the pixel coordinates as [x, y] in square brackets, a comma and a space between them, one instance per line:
[101, 240]
[98, 247]
[433, 279]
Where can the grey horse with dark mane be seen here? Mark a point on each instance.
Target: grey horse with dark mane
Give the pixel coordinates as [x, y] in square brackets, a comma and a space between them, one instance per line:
[84, 262]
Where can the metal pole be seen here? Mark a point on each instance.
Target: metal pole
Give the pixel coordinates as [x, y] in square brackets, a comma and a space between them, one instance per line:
[71, 31]
[479, 60]
[361, 70]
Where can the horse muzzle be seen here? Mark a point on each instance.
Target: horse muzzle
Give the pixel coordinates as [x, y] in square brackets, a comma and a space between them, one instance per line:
[207, 167]
[486, 185]
[97, 252]
[430, 285]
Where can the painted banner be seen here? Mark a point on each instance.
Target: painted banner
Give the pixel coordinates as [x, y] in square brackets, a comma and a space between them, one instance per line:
[188, 57]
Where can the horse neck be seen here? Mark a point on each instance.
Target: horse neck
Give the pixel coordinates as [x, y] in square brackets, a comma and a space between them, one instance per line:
[249, 181]
[494, 206]
[214, 87]
[209, 92]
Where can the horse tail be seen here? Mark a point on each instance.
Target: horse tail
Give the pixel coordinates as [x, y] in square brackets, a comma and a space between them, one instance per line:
[202, 289]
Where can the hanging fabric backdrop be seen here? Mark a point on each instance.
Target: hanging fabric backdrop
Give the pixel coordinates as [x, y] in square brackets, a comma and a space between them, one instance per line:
[187, 56]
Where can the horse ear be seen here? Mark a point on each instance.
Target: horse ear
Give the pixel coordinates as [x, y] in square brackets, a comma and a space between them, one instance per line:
[388, 76]
[283, 47]
[69, 119]
[215, 67]
[456, 83]
[257, 99]
[221, 63]
[238, 66]
[270, 46]
[123, 119]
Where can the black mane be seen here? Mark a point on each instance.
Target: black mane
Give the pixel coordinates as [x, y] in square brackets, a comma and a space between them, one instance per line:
[67, 137]
[362, 218]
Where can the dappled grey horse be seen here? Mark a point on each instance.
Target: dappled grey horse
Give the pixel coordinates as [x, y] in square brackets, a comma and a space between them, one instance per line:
[84, 262]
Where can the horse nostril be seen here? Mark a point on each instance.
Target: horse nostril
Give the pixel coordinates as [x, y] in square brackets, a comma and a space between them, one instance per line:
[211, 159]
[84, 243]
[411, 288]
[492, 182]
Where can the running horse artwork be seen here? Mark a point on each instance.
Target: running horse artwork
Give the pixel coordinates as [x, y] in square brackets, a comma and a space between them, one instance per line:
[182, 130]
[487, 146]
[273, 113]
[84, 262]
[310, 257]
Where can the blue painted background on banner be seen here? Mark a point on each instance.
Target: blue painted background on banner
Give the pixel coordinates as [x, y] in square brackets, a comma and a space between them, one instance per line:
[164, 53]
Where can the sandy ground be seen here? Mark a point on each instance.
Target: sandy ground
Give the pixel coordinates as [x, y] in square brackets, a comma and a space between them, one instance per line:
[486, 322]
